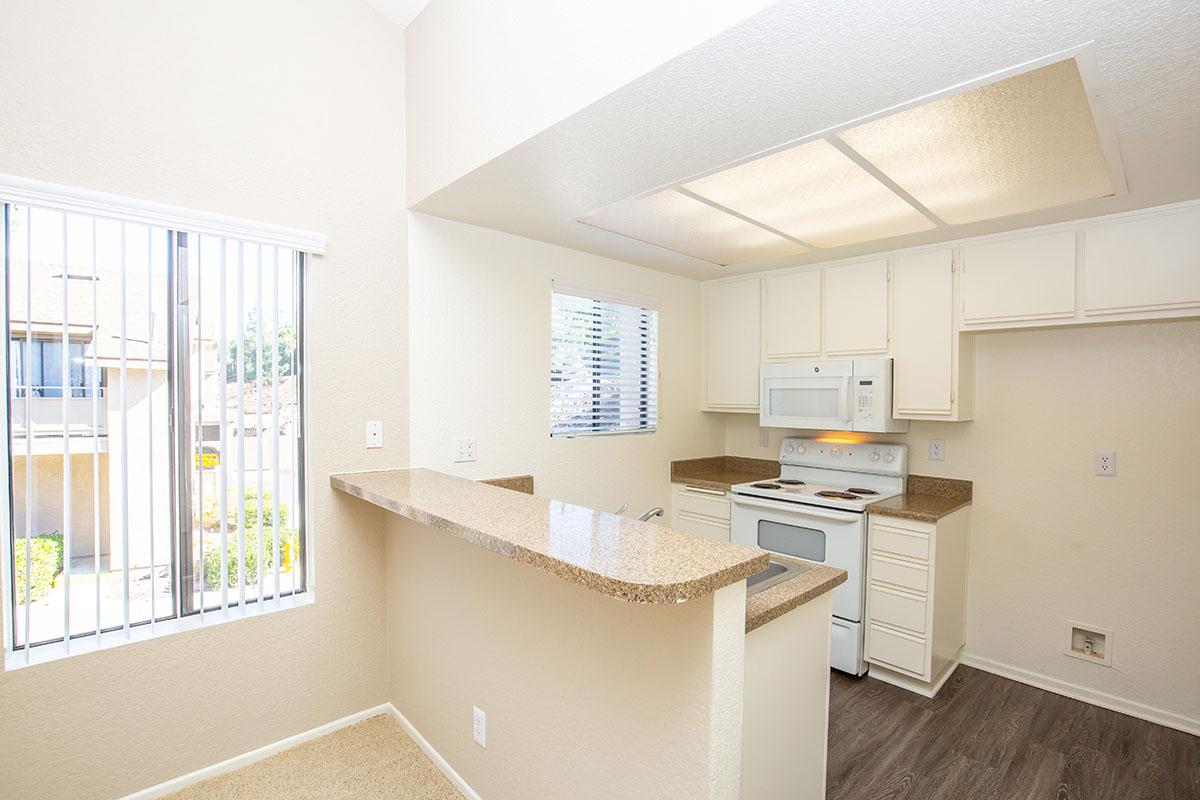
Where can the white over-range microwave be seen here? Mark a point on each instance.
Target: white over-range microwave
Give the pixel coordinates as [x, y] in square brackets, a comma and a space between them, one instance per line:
[852, 395]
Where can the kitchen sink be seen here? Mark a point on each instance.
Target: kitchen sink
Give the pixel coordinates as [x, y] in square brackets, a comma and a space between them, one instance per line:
[776, 572]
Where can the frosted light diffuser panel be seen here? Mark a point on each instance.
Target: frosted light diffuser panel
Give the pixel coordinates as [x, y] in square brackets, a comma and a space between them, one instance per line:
[677, 222]
[1021, 144]
[815, 193]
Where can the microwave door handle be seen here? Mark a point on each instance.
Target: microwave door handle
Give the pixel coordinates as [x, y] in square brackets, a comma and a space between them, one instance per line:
[847, 400]
[795, 508]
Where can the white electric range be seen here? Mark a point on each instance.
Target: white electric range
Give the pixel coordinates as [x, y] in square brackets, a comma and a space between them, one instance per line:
[816, 510]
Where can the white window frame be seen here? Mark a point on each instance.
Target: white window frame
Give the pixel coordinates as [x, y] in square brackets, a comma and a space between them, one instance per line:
[21, 191]
[620, 298]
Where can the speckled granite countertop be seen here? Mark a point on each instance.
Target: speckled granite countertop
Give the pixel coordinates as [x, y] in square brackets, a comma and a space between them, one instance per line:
[927, 499]
[769, 604]
[635, 561]
[518, 483]
[721, 472]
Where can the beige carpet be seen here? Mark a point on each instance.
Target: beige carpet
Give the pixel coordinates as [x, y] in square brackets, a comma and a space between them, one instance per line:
[372, 759]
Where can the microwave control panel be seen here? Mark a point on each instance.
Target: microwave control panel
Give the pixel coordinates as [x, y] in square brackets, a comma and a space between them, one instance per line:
[865, 398]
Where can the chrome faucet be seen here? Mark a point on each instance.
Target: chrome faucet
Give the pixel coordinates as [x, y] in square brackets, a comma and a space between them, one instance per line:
[651, 514]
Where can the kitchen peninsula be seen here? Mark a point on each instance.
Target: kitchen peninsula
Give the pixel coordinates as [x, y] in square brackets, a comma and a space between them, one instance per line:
[622, 653]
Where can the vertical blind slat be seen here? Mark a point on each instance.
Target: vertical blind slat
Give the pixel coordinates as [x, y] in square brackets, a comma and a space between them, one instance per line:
[66, 392]
[223, 403]
[28, 423]
[274, 340]
[150, 410]
[241, 425]
[124, 443]
[95, 434]
[258, 431]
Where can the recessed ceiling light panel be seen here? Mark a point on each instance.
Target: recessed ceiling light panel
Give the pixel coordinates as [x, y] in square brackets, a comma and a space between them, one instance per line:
[814, 193]
[1021, 144]
[677, 222]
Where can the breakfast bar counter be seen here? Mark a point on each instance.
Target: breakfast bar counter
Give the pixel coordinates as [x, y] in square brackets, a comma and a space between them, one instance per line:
[639, 562]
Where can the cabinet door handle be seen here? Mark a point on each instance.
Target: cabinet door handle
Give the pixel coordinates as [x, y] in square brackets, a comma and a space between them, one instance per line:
[703, 490]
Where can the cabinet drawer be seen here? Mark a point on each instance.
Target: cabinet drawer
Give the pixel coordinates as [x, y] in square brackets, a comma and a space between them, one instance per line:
[895, 649]
[899, 573]
[910, 544]
[702, 502]
[897, 608]
[700, 526]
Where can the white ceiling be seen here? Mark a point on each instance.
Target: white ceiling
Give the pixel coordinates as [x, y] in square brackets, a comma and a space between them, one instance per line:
[1025, 142]
[802, 67]
[400, 12]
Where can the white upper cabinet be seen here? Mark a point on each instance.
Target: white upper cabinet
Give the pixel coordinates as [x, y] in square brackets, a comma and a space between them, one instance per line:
[933, 366]
[856, 308]
[732, 340]
[792, 326]
[1143, 264]
[1018, 280]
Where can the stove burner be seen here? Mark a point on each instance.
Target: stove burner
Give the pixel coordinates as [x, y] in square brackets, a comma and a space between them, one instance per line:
[791, 482]
[766, 485]
[839, 495]
[862, 491]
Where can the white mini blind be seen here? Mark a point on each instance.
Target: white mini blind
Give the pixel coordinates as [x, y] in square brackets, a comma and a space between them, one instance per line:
[603, 365]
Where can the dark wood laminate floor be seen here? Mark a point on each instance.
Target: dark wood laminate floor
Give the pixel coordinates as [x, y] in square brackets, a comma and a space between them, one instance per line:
[988, 738]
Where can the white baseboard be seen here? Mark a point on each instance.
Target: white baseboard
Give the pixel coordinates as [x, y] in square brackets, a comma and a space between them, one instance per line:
[1160, 716]
[245, 759]
[257, 754]
[433, 755]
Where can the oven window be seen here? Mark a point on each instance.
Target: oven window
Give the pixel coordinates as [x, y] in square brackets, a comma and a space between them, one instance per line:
[806, 403]
[792, 540]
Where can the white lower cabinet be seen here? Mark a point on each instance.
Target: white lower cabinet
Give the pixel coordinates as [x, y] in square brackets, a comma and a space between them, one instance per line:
[916, 599]
[700, 510]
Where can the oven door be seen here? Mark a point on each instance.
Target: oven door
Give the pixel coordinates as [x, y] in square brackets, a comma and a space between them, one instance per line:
[818, 403]
[827, 536]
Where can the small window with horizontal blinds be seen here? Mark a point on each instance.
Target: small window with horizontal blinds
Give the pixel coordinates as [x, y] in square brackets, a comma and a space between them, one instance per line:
[154, 474]
[603, 363]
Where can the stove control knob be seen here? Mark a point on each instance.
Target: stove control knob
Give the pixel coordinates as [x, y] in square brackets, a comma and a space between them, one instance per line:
[801, 449]
[874, 456]
[889, 457]
[836, 452]
[789, 448]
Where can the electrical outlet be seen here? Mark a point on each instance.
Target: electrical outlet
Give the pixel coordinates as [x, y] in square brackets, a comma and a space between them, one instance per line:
[374, 434]
[937, 449]
[479, 727]
[764, 437]
[464, 449]
[1105, 463]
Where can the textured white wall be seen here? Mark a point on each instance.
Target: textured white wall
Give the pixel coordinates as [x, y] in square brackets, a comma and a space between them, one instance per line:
[485, 76]
[1049, 540]
[480, 349]
[586, 697]
[282, 111]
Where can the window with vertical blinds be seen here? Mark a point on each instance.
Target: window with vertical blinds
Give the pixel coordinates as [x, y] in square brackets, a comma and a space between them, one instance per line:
[603, 365]
[155, 453]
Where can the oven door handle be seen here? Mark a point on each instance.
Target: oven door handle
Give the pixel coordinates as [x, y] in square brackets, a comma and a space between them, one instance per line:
[795, 508]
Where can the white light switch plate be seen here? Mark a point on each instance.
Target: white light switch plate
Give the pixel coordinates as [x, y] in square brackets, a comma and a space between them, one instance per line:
[464, 449]
[374, 434]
